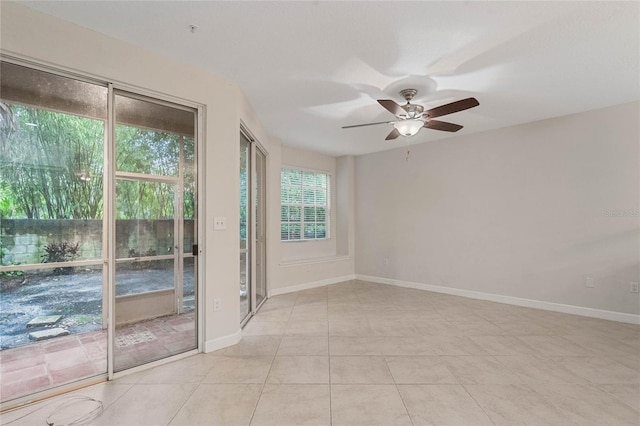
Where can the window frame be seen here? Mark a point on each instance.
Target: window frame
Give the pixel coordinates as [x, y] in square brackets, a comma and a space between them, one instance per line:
[302, 205]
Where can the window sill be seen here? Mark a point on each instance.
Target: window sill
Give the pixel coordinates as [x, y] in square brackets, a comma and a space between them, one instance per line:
[317, 240]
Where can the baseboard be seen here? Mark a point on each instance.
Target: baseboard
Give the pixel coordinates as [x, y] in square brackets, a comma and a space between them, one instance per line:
[312, 284]
[510, 300]
[222, 342]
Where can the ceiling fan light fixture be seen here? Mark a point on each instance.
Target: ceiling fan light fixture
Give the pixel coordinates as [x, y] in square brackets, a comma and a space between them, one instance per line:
[408, 127]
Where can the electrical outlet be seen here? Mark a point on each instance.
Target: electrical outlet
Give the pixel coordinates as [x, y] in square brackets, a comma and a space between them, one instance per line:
[219, 223]
[588, 282]
[633, 286]
[217, 304]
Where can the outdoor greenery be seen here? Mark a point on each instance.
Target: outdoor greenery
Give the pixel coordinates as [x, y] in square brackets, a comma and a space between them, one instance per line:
[51, 167]
[64, 251]
[244, 191]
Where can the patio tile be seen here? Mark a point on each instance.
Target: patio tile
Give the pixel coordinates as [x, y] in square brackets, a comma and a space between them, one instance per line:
[22, 363]
[60, 360]
[60, 344]
[76, 372]
[94, 351]
[8, 355]
[24, 374]
[22, 387]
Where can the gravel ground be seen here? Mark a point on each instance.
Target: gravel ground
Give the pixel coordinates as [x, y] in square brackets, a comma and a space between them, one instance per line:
[77, 297]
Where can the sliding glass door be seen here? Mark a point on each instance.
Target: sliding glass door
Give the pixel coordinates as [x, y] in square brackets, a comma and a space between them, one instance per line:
[253, 269]
[53, 311]
[98, 214]
[245, 228]
[154, 303]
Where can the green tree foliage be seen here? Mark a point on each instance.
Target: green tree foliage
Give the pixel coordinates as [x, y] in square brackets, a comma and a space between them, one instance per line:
[244, 192]
[51, 167]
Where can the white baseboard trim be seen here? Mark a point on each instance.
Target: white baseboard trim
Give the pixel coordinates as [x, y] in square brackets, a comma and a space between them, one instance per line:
[222, 342]
[312, 284]
[510, 300]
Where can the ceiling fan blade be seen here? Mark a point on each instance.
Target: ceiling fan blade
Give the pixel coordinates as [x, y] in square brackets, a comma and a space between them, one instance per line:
[392, 107]
[367, 124]
[452, 107]
[442, 125]
[393, 135]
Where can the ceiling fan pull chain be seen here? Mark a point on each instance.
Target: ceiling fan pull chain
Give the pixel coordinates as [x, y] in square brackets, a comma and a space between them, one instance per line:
[408, 151]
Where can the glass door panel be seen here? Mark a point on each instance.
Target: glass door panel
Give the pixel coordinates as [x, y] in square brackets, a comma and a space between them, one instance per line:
[52, 304]
[154, 213]
[260, 222]
[245, 199]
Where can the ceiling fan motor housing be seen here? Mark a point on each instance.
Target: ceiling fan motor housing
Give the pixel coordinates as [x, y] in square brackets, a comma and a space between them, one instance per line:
[408, 94]
[413, 111]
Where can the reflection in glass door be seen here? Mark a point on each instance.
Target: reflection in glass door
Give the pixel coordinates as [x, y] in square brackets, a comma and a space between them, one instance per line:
[154, 212]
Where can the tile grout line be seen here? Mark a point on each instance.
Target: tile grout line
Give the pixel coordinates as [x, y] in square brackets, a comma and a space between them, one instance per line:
[185, 401]
[329, 362]
[200, 382]
[395, 384]
[264, 384]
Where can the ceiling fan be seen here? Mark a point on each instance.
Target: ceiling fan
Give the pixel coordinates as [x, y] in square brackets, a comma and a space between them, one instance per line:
[410, 118]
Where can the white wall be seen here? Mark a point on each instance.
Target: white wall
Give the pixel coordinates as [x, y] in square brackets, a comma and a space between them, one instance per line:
[46, 40]
[522, 211]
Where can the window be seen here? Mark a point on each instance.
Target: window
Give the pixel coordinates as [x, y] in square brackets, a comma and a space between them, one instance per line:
[304, 205]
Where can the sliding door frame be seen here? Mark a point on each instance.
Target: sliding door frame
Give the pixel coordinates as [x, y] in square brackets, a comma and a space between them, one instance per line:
[108, 243]
[255, 145]
[144, 95]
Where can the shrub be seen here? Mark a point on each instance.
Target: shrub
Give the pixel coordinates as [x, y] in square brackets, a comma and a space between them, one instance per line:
[64, 251]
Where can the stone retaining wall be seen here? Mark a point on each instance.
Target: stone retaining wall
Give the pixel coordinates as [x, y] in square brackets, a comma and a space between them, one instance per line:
[23, 240]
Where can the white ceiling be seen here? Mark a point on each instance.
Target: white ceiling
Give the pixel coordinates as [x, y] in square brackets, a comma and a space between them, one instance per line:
[309, 68]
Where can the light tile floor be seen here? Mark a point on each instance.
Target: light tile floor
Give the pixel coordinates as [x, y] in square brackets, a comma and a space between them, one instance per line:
[359, 353]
